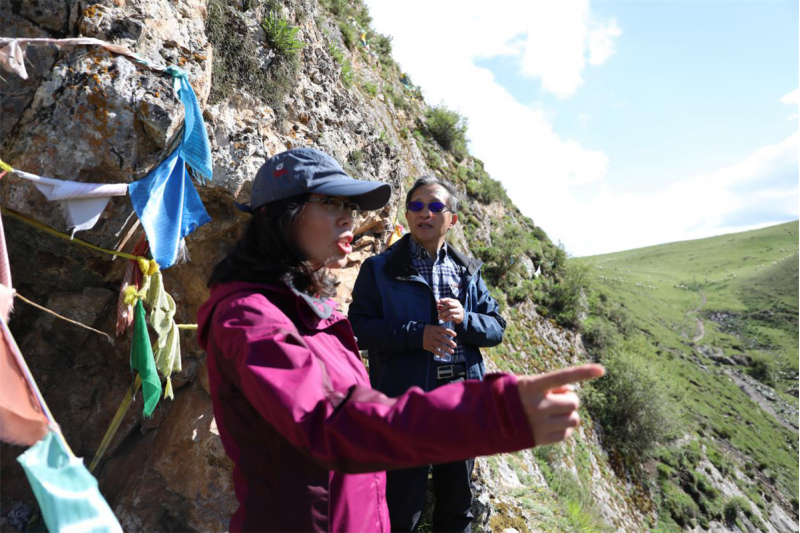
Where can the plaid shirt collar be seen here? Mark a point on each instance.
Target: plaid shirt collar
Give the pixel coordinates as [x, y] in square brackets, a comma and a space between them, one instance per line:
[421, 254]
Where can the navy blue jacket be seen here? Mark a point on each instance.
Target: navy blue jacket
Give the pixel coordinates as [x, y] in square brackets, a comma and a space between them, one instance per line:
[391, 306]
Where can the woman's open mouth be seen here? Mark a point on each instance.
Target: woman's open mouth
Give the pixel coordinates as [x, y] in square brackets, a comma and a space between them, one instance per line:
[344, 244]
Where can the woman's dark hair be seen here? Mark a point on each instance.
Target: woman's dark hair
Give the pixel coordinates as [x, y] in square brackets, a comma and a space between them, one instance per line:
[268, 252]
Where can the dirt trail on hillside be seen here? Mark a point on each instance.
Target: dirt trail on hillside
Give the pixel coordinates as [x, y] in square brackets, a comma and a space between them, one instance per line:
[700, 327]
[766, 403]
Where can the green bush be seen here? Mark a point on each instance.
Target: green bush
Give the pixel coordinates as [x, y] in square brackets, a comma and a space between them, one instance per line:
[565, 294]
[599, 334]
[580, 507]
[679, 505]
[483, 187]
[396, 97]
[762, 370]
[350, 35]
[449, 129]
[631, 405]
[370, 88]
[504, 257]
[281, 36]
[347, 74]
[382, 45]
[733, 506]
[719, 460]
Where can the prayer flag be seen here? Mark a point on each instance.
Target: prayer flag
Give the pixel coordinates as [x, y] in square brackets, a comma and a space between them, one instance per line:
[83, 202]
[168, 207]
[12, 58]
[5, 268]
[162, 318]
[67, 493]
[142, 360]
[22, 420]
[195, 147]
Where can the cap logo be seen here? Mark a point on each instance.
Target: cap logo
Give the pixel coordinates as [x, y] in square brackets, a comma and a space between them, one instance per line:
[279, 171]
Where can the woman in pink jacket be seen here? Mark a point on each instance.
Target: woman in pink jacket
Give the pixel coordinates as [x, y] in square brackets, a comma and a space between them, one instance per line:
[309, 438]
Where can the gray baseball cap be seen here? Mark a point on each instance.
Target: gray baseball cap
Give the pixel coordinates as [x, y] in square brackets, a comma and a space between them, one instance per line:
[306, 170]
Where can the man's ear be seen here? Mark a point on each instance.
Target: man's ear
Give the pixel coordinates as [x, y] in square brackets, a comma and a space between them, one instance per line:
[454, 220]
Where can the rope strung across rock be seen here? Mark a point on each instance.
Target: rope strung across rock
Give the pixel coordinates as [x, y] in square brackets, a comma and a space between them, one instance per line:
[46, 310]
[147, 265]
[51, 231]
[116, 421]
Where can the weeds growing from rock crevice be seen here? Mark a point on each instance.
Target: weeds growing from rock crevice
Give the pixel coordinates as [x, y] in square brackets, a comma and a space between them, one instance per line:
[238, 63]
[281, 36]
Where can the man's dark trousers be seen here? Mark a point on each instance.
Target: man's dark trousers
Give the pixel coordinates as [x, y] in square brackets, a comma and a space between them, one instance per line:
[405, 494]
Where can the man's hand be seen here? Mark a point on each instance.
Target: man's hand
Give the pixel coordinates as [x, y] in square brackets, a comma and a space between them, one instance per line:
[450, 309]
[437, 339]
[551, 404]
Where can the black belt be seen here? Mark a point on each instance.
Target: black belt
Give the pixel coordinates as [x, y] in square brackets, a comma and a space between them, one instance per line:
[451, 371]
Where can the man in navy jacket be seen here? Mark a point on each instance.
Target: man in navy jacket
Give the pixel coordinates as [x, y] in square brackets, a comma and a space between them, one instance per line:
[422, 311]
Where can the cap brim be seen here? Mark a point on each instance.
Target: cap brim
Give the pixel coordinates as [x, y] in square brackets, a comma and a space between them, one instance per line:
[243, 207]
[367, 194]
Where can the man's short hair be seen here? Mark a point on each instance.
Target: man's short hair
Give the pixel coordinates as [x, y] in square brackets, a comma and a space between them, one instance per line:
[452, 193]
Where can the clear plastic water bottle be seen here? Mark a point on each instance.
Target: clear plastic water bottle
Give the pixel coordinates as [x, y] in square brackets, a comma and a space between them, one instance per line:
[444, 357]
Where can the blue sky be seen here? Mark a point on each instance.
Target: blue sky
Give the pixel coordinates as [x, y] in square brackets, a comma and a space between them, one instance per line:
[617, 125]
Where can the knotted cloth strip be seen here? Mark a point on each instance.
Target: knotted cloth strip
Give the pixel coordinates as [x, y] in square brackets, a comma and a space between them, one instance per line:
[162, 318]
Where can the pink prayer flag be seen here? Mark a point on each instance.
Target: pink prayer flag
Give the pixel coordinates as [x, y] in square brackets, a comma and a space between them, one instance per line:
[21, 418]
[5, 269]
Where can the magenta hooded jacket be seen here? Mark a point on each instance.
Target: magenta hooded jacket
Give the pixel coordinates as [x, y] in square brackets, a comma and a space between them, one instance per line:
[309, 438]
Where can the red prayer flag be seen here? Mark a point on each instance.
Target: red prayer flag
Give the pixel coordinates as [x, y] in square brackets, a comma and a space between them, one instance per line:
[21, 418]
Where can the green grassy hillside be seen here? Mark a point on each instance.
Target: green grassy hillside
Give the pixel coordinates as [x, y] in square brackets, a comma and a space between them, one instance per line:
[716, 323]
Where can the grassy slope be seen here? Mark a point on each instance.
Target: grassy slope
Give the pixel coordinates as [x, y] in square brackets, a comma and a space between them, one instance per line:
[753, 277]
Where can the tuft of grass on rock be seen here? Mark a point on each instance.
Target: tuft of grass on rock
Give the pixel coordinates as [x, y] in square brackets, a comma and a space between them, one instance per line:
[281, 36]
[237, 64]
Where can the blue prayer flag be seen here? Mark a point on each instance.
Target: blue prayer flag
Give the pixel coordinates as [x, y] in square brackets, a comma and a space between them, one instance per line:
[168, 206]
[195, 148]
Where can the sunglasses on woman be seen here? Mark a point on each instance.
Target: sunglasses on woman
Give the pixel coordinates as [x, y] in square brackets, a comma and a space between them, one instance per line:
[434, 207]
[337, 205]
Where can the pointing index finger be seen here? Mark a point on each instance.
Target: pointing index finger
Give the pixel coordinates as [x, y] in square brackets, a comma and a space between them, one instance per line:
[565, 376]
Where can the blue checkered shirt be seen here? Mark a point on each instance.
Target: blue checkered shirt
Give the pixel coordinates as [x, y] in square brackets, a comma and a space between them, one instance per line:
[443, 276]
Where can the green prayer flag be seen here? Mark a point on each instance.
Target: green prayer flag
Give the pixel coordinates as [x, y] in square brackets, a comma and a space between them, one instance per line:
[142, 360]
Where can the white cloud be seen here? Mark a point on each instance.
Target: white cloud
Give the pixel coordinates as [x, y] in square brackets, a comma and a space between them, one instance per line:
[556, 39]
[554, 180]
[792, 98]
[516, 141]
[602, 44]
[759, 191]
[552, 40]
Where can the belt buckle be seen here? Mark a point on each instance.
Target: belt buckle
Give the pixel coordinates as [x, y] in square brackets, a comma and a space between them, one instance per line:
[445, 372]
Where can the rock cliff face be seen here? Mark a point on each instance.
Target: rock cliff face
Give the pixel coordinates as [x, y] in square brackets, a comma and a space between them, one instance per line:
[86, 114]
